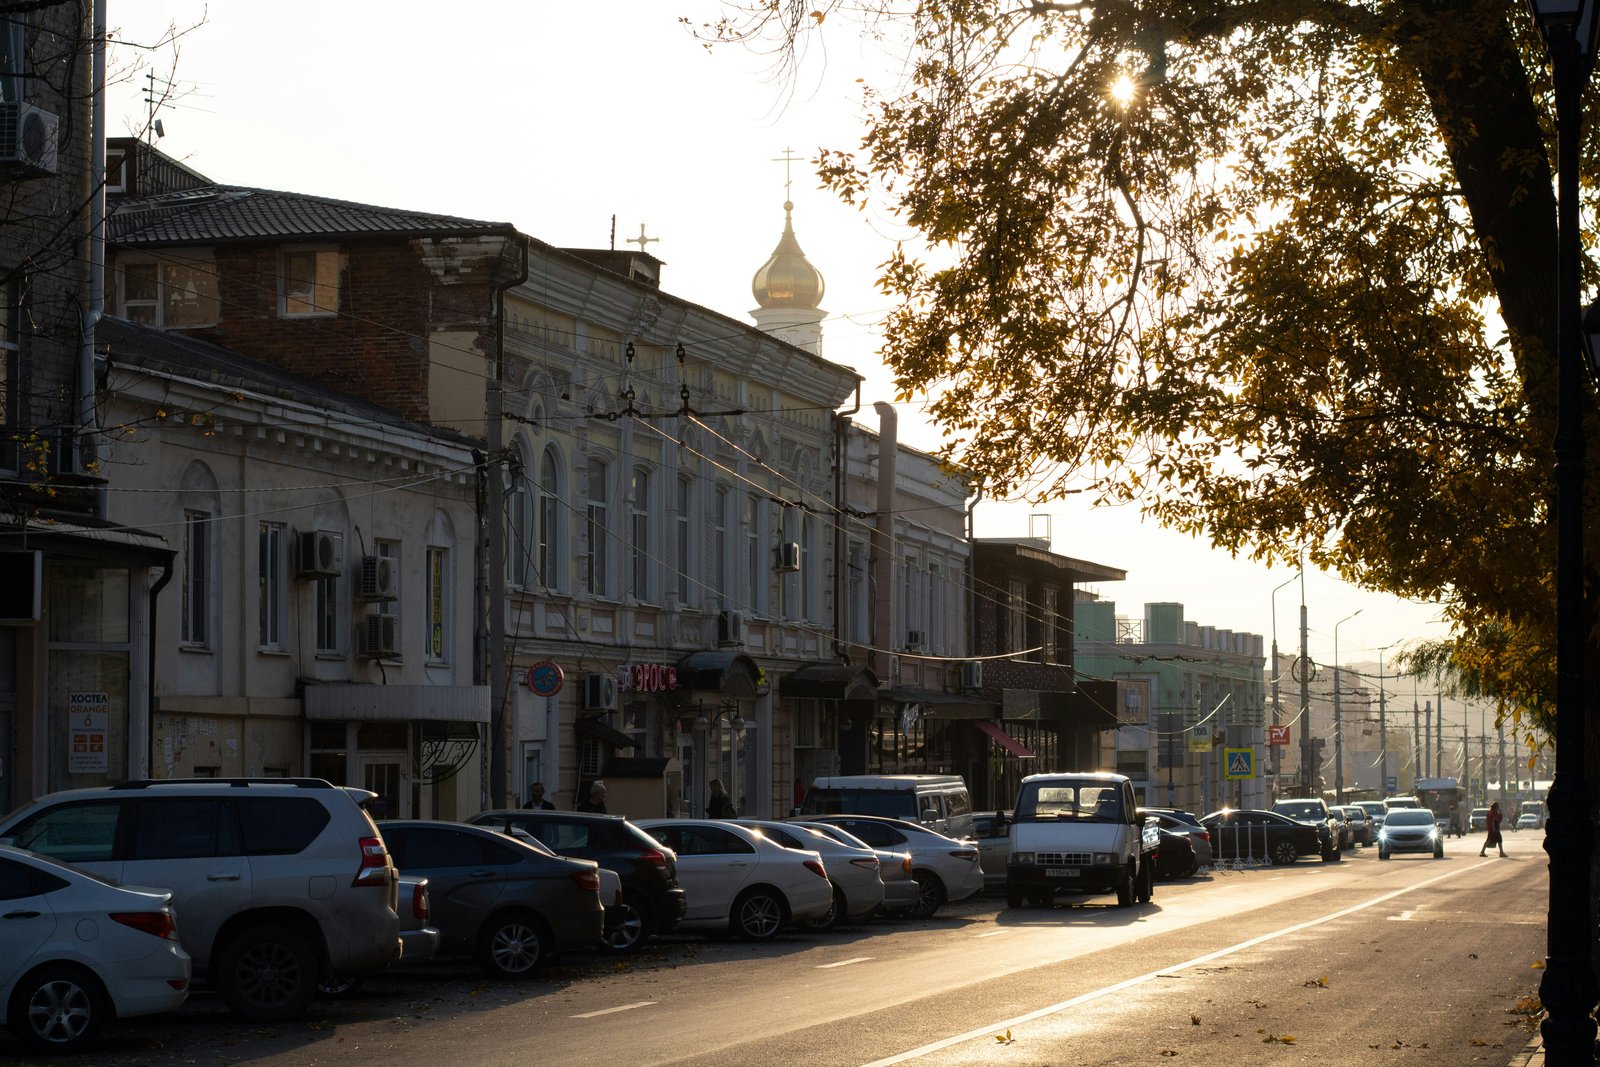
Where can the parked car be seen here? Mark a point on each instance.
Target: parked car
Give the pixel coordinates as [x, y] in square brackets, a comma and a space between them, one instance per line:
[993, 834]
[1355, 816]
[1250, 834]
[945, 870]
[1375, 813]
[1528, 820]
[419, 938]
[1175, 856]
[60, 989]
[1314, 810]
[735, 879]
[506, 904]
[1184, 823]
[1478, 821]
[280, 883]
[857, 886]
[895, 869]
[652, 900]
[1410, 830]
[938, 801]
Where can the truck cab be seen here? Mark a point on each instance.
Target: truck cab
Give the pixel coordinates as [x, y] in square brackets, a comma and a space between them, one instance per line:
[1079, 834]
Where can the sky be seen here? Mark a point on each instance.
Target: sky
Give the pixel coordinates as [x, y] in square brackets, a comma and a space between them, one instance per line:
[561, 117]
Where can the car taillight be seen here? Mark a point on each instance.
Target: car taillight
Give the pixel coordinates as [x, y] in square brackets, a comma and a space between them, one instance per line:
[655, 858]
[588, 881]
[816, 868]
[375, 868]
[867, 862]
[154, 923]
[965, 854]
[1204, 835]
[419, 901]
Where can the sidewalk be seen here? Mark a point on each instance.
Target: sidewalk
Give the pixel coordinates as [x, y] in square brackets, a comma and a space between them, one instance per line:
[1531, 1056]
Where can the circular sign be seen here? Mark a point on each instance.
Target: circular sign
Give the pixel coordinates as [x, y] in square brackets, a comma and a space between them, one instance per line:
[545, 678]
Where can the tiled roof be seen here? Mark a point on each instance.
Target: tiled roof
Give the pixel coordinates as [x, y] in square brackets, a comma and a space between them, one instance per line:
[233, 212]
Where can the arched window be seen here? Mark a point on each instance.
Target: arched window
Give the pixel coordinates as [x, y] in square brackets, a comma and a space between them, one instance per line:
[519, 518]
[720, 572]
[683, 517]
[547, 549]
[639, 536]
[598, 528]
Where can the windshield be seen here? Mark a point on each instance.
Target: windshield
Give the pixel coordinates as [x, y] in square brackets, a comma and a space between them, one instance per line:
[1409, 817]
[1097, 802]
[890, 803]
[1311, 810]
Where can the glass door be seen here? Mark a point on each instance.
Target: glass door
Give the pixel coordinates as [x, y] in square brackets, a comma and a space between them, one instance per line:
[385, 774]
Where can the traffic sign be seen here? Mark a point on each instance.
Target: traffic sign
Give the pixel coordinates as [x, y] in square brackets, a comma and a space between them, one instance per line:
[1391, 784]
[1240, 763]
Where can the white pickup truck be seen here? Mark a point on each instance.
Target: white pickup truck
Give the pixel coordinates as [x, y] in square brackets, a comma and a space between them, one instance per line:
[1079, 833]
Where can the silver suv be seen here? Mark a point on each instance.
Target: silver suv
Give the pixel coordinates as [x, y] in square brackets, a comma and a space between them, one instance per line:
[280, 882]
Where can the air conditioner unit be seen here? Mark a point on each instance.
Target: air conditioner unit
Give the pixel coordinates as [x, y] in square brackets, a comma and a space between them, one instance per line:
[730, 628]
[599, 692]
[972, 674]
[321, 554]
[28, 138]
[378, 636]
[378, 579]
[913, 640]
[789, 556]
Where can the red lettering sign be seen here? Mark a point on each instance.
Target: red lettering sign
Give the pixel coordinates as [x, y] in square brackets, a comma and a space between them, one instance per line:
[652, 677]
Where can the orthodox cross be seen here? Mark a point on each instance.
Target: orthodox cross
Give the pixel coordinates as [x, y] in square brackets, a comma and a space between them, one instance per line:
[642, 240]
[786, 159]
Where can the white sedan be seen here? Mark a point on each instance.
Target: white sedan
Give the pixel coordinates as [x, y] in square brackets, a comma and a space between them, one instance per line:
[857, 885]
[900, 888]
[80, 952]
[738, 880]
[946, 870]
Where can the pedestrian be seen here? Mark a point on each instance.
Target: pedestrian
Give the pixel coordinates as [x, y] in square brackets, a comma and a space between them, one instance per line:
[536, 799]
[597, 798]
[720, 805]
[1492, 824]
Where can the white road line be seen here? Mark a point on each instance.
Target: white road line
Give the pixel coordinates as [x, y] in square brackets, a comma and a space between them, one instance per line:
[608, 1011]
[1053, 1009]
[992, 933]
[843, 963]
[1404, 916]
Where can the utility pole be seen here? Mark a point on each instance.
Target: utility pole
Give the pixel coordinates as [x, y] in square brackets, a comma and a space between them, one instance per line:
[1276, 751]
[1500, 728]
[1307, 753]
[1417, 747]
[1383, 730]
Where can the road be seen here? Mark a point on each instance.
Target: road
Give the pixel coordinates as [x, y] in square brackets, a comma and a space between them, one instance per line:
[1412, 961]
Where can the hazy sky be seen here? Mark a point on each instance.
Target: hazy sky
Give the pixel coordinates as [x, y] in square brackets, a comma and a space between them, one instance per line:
[557, 117]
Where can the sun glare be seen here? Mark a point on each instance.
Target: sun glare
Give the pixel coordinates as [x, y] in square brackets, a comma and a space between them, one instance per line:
[1124, 89]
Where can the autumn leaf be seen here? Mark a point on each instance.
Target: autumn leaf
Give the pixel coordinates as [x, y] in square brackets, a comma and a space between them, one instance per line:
[1005, 1038]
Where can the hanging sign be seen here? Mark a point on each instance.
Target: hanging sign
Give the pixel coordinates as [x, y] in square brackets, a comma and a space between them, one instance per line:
[649, 677]
[1278, 735]
[546, 678]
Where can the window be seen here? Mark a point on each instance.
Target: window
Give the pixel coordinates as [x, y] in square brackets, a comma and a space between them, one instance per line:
[180, 828]
[389, 550]
[327, 608]
[170, 293]
[13, 389]
[547, 560]
[598, 528]
[280, 826]
[1017, 618]
[682, 524]
[754, 580]
[76, 833]
[810, 576]
[789, 582]
[196, 623]
[438, 604]
[856, 591]
[13, 58]
[639, 531]
[271, 586]
[519, 521]
[311, 282]
[720, 571]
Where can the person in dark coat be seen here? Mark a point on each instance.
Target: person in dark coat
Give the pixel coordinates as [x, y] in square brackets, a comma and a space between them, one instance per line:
[720, 805]
[597, 799]
[1492, 824]
[536, 800]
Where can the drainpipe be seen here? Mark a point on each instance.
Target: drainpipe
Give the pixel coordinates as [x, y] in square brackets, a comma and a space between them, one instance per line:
[150, 680]
[86, 441]
[841, 541]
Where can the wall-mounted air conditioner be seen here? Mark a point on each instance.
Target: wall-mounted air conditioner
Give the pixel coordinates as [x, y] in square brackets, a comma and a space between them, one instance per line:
[599, 692]
[972, 674]
[28, 138]
[379, 579]
[378, 636]
[321, 554]
[789, 556]
[730, 628]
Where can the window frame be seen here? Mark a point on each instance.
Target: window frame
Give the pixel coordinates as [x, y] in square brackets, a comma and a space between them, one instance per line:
[202, 262]
[272, 585]
[548, 570]
[194, 626]
[437, 608]
[291, 300]
[326, 615]
[597, 525]
[641, 571]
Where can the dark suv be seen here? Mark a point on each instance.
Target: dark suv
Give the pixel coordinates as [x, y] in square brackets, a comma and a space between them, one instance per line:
[1314, 810]
[279, 883]
[652, 900]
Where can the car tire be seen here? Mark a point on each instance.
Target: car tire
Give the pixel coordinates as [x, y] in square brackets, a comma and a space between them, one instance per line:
[1147, 882]
[1284, 853]
[1383, 853]
[630, 931]
[340, 986]
[1438, 853]
[512, 944]
[1125, 887]
[930, 895]
[757, 915]
[267, 974]
[1191, 870]
[1014, 898]
[834, 916]
[58, 1008]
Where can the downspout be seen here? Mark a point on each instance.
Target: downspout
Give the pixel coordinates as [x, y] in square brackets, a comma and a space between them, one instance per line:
[841, 541]
[150, 682]
[86, 441]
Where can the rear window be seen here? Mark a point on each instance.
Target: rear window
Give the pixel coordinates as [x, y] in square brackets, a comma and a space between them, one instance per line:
[890, 803]
[280, 826]
[1305, 811]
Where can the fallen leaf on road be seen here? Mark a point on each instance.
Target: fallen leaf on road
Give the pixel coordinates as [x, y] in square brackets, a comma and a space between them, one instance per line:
[1005, 1038]
[1281, 1039]
[1194, 1020]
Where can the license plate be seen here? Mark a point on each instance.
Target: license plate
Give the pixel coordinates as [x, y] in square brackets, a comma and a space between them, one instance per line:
[1061, 872]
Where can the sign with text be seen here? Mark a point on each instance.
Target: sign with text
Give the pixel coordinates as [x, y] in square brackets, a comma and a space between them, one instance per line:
[1278, 735]
[89, 720]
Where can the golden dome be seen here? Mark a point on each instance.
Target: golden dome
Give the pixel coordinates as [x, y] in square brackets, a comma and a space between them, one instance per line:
[787, 279]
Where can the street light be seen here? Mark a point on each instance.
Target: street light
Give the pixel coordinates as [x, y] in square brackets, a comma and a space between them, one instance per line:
[1338, 722]
[1276, 750]
[1567, 988]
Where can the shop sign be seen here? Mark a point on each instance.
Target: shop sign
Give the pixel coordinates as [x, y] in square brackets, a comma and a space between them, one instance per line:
[89, 716]
[1278, 735]
[545, 678]
[649, 677]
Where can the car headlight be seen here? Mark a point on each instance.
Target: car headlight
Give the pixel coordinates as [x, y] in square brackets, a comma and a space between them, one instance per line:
[1433, 833]
[1105, 859]
[1022, 857]
[1383, 833]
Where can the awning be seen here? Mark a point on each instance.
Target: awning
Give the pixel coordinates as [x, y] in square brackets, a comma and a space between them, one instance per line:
[720, 675]
[439, 703]
[597, 728]
[939, 704]
[829, 683]
[1004, 740]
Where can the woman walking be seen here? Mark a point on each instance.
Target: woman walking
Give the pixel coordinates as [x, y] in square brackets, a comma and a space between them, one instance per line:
[1492, 824]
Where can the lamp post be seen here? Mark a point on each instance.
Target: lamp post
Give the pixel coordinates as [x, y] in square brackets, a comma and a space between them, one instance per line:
[1338, 721]
[1567, 988]
[1383, 729]
[1277, 749]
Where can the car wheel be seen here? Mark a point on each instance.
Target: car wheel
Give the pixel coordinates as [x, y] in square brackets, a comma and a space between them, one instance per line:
[757, 915]
[1383, 853]
[1147, 882]
[630, 931]
[58, 1008]
[930, 895]
[834, 915]
[1125, 888]
[1438, 853]
[512, 945]
[1284, 853]
[1191, 870]
[267, 974]
[339, 986]
[1014, 898]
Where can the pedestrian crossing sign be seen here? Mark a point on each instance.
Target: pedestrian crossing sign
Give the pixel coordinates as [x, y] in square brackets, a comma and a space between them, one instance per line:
[1239, 762]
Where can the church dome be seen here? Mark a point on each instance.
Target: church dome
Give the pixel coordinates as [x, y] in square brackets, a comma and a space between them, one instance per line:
[787, 279]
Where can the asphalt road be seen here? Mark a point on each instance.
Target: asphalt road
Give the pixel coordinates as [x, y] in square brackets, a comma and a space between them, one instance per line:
[1413, 961]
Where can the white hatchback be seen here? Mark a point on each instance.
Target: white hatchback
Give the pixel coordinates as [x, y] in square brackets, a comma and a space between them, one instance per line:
[736, 879]
[80, 952]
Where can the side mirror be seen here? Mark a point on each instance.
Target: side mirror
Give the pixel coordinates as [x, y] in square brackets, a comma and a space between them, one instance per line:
[930, 815]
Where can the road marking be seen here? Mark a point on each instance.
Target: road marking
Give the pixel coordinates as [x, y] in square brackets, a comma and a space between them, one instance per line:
[1404, 916]
[608, 1011]
[993, 933]
[1165, 972]
[843, 963]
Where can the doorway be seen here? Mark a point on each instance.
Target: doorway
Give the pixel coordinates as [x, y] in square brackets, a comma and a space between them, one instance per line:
[385, 773]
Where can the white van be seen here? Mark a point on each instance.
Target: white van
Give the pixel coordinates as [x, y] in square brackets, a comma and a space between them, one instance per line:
[1079, 833]
[938, 801]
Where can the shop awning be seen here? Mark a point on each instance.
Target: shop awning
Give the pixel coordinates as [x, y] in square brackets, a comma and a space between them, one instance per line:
[597, 728]
[824, 682]
[1004, 740]
[720, 675]
[939, 704]
[437, 703]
